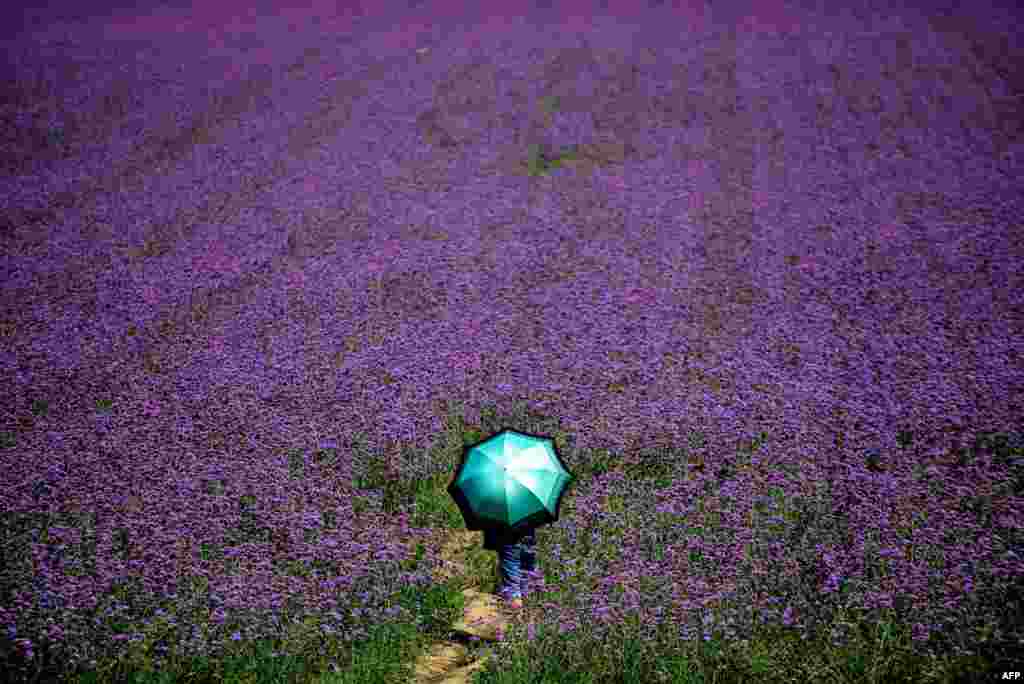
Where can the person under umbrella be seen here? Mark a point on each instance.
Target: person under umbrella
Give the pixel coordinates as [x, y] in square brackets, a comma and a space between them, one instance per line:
[507, 486]
[517, 559]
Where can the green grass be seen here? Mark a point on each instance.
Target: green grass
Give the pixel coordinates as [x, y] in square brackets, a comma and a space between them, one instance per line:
[539, 163]
[303, 653]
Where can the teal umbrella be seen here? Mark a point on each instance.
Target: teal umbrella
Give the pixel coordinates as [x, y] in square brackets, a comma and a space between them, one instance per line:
[511, 481]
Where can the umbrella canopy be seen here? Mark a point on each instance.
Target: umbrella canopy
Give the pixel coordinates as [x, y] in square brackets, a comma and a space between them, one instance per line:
[511, 481]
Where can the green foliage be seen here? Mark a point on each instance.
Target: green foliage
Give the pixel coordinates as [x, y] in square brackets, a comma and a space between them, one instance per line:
[539, 163]
[874, 650]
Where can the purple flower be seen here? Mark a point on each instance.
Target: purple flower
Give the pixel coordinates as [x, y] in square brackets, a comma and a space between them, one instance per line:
[273, 271]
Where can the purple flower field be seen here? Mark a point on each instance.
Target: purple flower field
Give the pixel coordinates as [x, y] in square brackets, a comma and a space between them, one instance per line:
[250, 256]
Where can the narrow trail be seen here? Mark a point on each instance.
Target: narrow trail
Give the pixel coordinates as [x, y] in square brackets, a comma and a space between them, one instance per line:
[451, 662]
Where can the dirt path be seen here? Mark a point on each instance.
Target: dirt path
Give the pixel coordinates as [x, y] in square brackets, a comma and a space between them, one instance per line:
[450, 662]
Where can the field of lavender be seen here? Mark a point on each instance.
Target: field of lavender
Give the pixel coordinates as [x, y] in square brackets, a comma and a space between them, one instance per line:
[267, 270]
